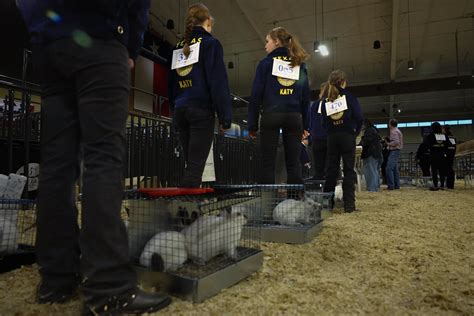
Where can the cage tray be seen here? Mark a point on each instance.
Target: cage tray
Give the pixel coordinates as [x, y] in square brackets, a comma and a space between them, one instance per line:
[161, 192]
[284, 234]
[202, 285]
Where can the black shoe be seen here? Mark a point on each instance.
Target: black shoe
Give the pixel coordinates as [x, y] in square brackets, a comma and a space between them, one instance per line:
[135, 302]
[55, 295]
[434, 189]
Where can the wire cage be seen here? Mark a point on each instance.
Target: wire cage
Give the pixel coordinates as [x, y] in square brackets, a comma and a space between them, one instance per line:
[407, 181]
[184, 239]
[283, 213]
[423, 182]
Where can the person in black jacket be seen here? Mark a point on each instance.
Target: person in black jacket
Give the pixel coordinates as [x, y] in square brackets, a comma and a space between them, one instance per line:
[450, 154]
[83, 52]
[437, 144]
[281, 91]
[423, 158]
[371, 156]
[318, 138]
[342, 120]
[198, 90]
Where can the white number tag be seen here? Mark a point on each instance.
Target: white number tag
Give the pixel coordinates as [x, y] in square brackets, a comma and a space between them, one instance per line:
[284, 70]
[179, 60]
[440, 137]
[452, 140]
[339, 105]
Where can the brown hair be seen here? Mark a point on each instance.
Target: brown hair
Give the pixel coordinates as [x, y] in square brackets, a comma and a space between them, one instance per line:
[295, 50]
[198, 13]
[323, 89]
[336, 78]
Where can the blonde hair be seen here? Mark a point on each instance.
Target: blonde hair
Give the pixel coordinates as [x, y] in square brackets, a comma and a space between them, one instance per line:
[336, 78]
[198, 13]
[295, 50]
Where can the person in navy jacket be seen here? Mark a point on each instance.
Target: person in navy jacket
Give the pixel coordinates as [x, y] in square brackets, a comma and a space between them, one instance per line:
[83, 51]
[318, 138]
[342, 126]
[282, 101]
[450, 155]
[437, 143]
[197, 92]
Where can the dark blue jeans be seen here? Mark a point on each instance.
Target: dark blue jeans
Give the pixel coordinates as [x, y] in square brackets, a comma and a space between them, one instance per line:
[84, 104]
[393, 174]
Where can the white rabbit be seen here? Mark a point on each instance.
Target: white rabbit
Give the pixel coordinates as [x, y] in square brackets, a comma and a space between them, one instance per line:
[211, 236]
[170, 246]
[8, 234]
[250, 211]
[338, 194]
[292, 212]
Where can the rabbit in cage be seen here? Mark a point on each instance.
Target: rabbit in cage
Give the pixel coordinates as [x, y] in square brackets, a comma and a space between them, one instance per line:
[250, 211]
[211, 236]
[8, 234]
[293, 212]
[166, 251]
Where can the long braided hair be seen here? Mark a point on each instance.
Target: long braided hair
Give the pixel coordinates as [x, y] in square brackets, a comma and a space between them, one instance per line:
[198, 13]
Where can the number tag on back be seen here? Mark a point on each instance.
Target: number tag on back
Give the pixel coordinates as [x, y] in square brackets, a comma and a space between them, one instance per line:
[284, 70]
[452, 140]
[440, 137]
[339, 105]
[179, 60]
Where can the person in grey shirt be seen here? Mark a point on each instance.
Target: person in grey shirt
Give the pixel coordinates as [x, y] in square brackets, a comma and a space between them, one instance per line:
[394, 146]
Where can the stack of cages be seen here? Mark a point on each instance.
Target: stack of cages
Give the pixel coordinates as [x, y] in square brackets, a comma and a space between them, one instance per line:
[191, 242]
[285, 214]
[17, 224]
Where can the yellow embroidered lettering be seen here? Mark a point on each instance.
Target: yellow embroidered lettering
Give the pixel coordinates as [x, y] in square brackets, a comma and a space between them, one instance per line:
[183, 84]
[286, 91]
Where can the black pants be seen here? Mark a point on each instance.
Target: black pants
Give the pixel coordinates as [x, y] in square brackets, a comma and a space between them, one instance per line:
[438, 165]
[84, 102]
[449, 172]
[291, 125]
[319, 147]
[196, 132]
[425, 167]
[342, 145]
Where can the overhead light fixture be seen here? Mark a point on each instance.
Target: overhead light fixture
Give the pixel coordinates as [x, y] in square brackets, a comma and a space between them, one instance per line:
[411, 65]
[230, 65]
[399, 111]
[316, 46]
[244, 121]
[323, 49]
[377, 44]
[170, 24]
[472, 73]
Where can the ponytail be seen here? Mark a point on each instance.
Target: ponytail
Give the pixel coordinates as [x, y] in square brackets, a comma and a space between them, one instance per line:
[295, 51]
[336, 78]
[198, 13]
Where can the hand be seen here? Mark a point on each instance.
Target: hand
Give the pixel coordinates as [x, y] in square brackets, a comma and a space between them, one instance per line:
[253, 134]
[305, 134]
[131, 63]
[222, 129]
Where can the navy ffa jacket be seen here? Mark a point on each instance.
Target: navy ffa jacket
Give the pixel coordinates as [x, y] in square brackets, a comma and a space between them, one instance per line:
[50, 20]
[277, 94]
[316, 129]
[350, 120]
[437, 147]
[451, 149]
[203, 84]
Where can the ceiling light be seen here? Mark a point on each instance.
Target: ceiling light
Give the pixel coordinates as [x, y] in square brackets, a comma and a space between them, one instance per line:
[316, 46]
[323, 49]
[377, 44]
[411, 65]
[472, 73]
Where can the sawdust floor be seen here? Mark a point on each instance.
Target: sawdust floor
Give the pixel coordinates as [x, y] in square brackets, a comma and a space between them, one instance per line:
[406, 252]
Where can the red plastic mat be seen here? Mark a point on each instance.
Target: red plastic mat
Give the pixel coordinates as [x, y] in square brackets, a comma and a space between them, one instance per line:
[160, 192]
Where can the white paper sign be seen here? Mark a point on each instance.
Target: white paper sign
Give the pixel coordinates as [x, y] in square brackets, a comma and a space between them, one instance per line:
[452, 140]
[320, 107]
[284, 70]
[339, 105]
[179, 60]
[440, 137]
[209, 173]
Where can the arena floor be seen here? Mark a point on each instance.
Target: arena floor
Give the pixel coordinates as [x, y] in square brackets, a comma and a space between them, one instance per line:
[407, 252]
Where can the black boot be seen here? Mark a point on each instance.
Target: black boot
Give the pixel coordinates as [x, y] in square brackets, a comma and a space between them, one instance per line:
[134, 302]
[58, 294]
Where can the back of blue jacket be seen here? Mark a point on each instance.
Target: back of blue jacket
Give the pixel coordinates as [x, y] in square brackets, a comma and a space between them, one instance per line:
[278, 94]
[205, 83]
[50, 20]
[316, 130]
[349, 121]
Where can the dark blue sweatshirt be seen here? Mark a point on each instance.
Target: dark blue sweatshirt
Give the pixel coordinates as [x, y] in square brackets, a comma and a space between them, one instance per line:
[50, 20]
[275, 94]
[350, 120]
[316, 130]
[205, 83]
